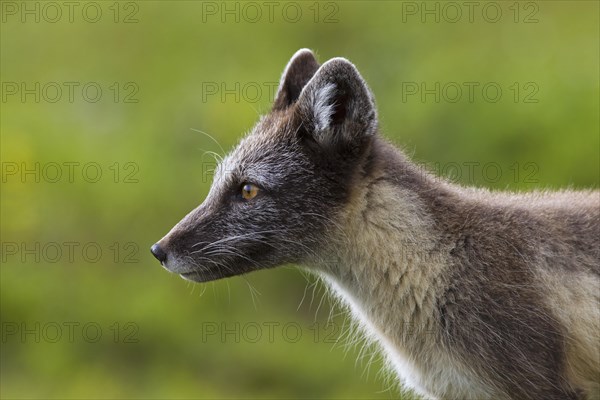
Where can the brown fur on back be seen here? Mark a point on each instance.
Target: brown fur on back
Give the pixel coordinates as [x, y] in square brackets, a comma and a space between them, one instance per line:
[506, 286]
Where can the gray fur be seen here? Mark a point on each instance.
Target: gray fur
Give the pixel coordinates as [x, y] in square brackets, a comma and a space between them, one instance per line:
[501, 291]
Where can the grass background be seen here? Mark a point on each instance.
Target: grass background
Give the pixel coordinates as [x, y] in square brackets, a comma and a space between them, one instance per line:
[172, 56]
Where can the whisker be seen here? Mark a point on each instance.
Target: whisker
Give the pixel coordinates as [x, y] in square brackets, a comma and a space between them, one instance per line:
[210, 136]
[229, 238]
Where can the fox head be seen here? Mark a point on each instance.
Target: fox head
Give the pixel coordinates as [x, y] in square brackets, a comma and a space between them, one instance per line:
[275, 198]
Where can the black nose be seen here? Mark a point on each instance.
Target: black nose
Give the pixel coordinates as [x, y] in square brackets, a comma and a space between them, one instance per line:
[159, 253]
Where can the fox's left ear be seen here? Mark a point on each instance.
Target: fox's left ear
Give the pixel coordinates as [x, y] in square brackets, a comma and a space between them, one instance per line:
[336, 105]
[301, 67]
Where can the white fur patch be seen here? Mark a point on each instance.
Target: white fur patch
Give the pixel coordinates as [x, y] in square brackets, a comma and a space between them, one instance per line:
[323, 106]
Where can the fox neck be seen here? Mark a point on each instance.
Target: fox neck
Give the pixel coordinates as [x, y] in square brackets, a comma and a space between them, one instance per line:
[388, 253]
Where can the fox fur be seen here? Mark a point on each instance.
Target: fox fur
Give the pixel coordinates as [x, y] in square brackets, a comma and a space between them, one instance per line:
[471, 294]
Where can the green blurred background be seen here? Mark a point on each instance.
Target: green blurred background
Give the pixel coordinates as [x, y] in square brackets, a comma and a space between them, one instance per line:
[115, 325]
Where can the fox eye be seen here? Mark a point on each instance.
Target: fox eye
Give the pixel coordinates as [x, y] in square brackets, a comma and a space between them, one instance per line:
[249, 191]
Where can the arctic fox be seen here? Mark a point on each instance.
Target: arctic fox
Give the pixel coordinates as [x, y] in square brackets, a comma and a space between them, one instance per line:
[501, 290]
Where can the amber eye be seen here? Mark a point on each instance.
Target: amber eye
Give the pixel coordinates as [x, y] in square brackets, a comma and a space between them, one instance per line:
[249, 191]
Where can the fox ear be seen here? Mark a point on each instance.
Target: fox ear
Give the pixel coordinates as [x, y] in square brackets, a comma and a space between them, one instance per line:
[336, 105]
[301, 67]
